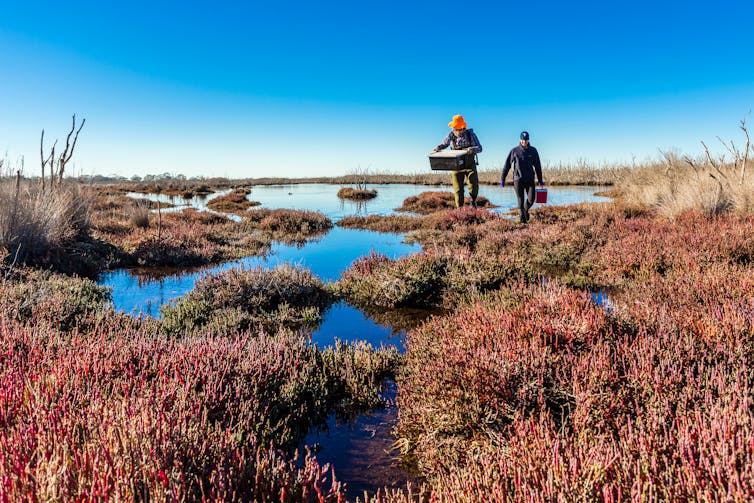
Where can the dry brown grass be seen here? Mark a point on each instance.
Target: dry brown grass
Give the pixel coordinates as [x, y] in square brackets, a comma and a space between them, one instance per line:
[709, 184]
[32, 222]
[139, 215]
[676, 186]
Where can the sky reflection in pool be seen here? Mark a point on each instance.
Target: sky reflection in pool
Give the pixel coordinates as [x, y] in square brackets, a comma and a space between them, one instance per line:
[349, 324]
[362, 451]
[326, 257]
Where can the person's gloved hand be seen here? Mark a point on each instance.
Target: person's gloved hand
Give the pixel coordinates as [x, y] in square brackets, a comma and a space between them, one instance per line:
[502, 183]
[436, 149]
[470, 150]
[541, 184]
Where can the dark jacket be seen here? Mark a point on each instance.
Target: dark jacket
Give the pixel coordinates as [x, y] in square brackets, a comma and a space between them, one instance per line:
[467, 140]
[525, 161]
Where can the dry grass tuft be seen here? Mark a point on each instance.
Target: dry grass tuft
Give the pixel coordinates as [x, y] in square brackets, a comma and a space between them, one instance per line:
[705, 184]
[33, 222]
[139, 215]
[673, 189]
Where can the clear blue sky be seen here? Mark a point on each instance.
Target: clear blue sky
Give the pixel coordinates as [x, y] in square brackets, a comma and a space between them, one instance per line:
[281, 88]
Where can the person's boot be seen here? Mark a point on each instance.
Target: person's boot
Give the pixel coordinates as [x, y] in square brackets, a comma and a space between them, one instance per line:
[524, 215]
[473, 204]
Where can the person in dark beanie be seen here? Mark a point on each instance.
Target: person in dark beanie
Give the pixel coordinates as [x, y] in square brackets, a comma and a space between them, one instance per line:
[463, 139]
[524, 159]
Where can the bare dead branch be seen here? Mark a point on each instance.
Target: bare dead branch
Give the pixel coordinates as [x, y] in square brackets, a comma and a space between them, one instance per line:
[746, 149]
[691, 162]
[47, 161]
[66, 155]
[732, 149]
[712, 162]
[42, 158]
[669, 161]
[709, 157]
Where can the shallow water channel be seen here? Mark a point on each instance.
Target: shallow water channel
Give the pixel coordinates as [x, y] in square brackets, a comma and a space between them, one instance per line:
[359, 450]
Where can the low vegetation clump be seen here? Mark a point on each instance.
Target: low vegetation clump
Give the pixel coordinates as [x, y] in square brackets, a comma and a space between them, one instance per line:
[288, 226]
[235, 202]
[458, 218]
[439, 278]
[376, 280]
[185, 238]
[397, 224]
[283, 296]
[357, 194]
[192, 238]
[430, 202]
[187, 190]
[43, 299]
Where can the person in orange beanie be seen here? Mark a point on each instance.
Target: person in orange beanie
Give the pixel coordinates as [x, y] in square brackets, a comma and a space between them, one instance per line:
[463, 138]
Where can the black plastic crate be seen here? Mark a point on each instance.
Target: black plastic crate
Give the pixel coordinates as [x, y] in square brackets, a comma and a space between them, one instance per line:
[449, 160]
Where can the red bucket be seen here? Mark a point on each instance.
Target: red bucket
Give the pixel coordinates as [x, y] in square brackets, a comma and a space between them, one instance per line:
[541, 196]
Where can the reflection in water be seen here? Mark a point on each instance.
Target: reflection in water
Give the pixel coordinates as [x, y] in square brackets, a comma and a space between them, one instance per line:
[601, 298]
[180, 203]
[359, 207]
[349, 324]
[362, 451]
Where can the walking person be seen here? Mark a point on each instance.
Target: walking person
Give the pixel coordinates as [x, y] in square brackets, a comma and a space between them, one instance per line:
[462, 138]
[524, 159]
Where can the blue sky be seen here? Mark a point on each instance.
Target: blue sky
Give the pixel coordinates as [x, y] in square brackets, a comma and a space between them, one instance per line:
[254, 89]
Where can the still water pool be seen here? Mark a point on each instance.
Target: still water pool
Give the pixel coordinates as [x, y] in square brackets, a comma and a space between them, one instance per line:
[323, 198]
